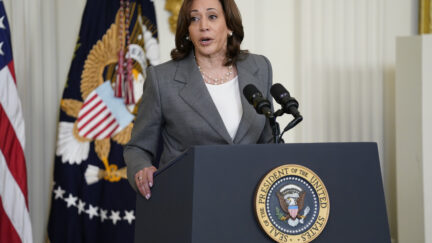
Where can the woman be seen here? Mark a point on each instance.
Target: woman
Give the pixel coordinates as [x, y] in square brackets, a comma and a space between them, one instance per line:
[195, 98]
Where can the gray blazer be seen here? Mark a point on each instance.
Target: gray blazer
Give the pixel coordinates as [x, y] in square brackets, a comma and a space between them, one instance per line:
[177, 107]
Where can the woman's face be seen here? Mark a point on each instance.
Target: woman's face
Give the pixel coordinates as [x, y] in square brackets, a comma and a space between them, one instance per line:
[208, 30]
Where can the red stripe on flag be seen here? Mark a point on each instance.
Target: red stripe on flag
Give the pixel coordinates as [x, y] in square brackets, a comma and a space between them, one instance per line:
[12, 152]
[103, 129]
[7, 230]
[90, 110]
[93, 117]
[106, 127]
[12, 69]
[89, 101]
[115, 128]
[98, 124]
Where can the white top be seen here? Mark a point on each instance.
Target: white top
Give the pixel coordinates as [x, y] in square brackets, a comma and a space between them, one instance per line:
[226, 97]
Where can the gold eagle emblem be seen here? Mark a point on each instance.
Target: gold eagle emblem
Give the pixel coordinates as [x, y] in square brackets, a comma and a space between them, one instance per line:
[99, 66]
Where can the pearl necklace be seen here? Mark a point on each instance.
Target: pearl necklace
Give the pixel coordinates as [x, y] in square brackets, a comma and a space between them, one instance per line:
[217, 81]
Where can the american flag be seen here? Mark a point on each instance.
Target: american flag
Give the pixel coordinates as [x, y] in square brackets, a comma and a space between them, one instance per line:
[15, 223]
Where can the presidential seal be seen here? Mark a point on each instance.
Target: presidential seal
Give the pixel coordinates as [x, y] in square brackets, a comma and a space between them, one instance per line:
[292, 204]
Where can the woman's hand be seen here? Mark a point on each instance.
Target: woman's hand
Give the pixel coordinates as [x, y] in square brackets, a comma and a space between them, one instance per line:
[144, 181]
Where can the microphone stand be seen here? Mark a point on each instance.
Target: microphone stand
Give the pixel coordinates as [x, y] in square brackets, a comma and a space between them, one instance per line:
[275, 130]
[277, 137]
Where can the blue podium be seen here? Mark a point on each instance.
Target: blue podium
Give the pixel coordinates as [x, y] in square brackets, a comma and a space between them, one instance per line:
[207, 194]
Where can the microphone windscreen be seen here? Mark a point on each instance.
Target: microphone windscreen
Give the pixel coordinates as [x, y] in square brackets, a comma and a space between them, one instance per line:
[249, 91]
[279, 92]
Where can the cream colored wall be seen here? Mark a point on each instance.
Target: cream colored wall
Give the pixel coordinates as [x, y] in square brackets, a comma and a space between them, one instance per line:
[69, 15]
[409, 153]
[427, 138]
[413, 140]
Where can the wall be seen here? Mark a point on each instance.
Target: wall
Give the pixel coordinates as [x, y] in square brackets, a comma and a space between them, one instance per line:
[401, 18]
[413, 140]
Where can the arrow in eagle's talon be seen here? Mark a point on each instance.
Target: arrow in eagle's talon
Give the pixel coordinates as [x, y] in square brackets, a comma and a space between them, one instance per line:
[94, 174]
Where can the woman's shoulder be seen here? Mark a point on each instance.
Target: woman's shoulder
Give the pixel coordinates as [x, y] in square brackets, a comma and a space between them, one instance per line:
[165, 66]
[170, 66]
[254, 59]
[169, 71]
[164, 71]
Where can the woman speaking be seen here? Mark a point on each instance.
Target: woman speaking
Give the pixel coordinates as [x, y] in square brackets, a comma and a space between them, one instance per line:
[195, 99]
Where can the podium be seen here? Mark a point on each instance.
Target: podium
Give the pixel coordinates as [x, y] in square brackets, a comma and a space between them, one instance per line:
[207, 194]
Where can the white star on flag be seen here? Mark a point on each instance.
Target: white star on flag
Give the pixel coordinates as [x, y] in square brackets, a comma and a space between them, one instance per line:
[1, 48]
[81, 206]
[115, 216]
[71, 200]
[59, 193]
[129, 216]
[2, 26]
[92, 211]
[103, 214]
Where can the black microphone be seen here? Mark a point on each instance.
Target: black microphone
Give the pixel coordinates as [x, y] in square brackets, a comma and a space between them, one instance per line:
[255, 98]
[288, 103]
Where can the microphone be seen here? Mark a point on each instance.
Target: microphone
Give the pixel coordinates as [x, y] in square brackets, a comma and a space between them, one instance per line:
[255, 98]
[288, 103]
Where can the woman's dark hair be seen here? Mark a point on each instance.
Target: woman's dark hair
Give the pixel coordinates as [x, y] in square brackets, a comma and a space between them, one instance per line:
[233, 22]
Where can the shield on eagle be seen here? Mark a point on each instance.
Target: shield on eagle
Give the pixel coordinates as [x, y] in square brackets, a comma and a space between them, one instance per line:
[102, 114]
[293, 210]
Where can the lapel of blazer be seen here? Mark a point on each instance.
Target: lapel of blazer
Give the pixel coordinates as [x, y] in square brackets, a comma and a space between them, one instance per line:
[246, 69]
[196, 95]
